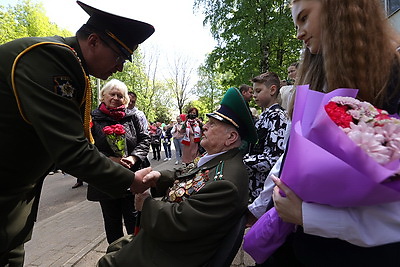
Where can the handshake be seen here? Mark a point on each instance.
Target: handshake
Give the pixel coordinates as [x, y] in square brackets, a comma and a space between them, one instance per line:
[144, 179]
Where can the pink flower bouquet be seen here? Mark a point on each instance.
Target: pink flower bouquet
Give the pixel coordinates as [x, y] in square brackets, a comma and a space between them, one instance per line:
[115, 135]
[341, 152]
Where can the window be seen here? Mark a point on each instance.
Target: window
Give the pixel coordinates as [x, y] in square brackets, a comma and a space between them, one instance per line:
[391, 6]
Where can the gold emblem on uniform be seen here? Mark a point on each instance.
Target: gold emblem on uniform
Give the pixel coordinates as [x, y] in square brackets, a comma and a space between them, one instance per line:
[172, 196]
[63, 86]
[189, 184]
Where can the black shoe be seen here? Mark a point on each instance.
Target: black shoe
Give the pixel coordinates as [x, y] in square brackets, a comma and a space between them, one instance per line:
[77, 185]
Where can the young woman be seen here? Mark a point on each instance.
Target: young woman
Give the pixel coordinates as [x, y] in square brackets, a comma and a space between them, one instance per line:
[348, 44]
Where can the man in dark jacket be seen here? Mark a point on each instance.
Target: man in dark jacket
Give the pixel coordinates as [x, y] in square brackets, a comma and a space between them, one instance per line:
[199, 207]
[45, 117]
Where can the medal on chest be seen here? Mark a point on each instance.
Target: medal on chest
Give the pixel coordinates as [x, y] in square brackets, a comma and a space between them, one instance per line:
[182, 189]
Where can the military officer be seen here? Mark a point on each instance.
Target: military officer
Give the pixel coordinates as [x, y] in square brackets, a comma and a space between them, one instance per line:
[44, 117]
[199, 207]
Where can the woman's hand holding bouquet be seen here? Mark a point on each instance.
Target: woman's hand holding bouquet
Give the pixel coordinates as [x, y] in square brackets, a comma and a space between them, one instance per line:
[341, 152]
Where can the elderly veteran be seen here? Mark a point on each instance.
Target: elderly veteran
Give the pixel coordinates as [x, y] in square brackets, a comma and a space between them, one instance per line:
[45, 117]
[199, 207]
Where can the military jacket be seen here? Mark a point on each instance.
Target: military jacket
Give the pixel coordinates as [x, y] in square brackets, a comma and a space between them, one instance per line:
[187, 232]
[42, 89]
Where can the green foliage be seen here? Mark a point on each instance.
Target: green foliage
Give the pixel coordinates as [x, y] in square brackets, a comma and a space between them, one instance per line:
[209, 89]
[153, 97]
[253, 37]
[162, 114]
[26, 19]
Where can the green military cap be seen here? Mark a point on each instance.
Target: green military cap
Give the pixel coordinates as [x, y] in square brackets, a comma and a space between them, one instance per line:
[126, 33]
[234, 110]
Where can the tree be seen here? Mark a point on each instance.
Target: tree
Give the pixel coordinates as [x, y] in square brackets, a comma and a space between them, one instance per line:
[209, 89]
[26, 19]
[179, 82]
[153, 96]
[253, 37]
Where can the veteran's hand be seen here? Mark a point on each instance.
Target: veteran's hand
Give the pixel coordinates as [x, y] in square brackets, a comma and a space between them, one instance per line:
[140, 198]
[288, 206]
[151, 178]
[137, 184]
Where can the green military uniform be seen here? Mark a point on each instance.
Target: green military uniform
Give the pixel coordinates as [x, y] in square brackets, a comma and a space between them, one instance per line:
[43, 88]
[199, 208]
[41, 124]
[186, 228]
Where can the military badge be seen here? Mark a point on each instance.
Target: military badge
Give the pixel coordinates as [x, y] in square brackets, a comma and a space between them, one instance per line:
[182, 189]
[63, 86]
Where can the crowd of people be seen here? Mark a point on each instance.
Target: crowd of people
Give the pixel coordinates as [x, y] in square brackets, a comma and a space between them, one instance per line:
[228, 167]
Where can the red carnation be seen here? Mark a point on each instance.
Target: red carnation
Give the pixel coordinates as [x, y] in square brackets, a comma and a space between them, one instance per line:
[108, 130]
[338, 114]
[119, 129]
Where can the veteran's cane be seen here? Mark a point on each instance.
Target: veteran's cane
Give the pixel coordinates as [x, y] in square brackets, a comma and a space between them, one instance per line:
[137, 223]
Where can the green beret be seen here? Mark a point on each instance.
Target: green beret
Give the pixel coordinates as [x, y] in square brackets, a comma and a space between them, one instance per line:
[234, 110]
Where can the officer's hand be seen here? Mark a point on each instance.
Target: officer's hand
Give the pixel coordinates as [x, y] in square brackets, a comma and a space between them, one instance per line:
[151, 178]
[140, 198]
[137, 184]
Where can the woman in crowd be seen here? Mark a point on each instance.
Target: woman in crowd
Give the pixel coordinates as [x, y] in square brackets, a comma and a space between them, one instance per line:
[166, 140]
[192, 134]
[155, 135]
[112, 111]
[348, 44]
[177, 137]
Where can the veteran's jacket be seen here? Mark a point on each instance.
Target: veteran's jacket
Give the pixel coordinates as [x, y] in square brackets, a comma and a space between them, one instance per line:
[188, 231]
[42, 91]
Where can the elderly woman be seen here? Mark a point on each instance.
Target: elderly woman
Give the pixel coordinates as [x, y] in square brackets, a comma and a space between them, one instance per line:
[131, 152]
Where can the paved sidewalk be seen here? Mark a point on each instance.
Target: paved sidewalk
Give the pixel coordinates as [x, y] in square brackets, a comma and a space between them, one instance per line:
[75, 237]
[61, 240]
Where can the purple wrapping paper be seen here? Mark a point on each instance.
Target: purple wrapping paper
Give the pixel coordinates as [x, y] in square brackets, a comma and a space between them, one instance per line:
[269, 225]
[324, 166]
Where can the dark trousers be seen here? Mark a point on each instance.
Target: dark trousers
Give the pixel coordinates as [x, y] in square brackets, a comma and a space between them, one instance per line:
[302, 249]
[167, 149]
[113, 212]
[156, 151]
[315, 251]
[13, 258]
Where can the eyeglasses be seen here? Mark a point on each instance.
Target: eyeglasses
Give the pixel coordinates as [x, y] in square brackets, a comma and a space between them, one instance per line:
[119, 58]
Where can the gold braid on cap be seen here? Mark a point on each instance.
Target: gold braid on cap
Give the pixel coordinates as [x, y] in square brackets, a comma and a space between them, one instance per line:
[119, 41]
[227, 118]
